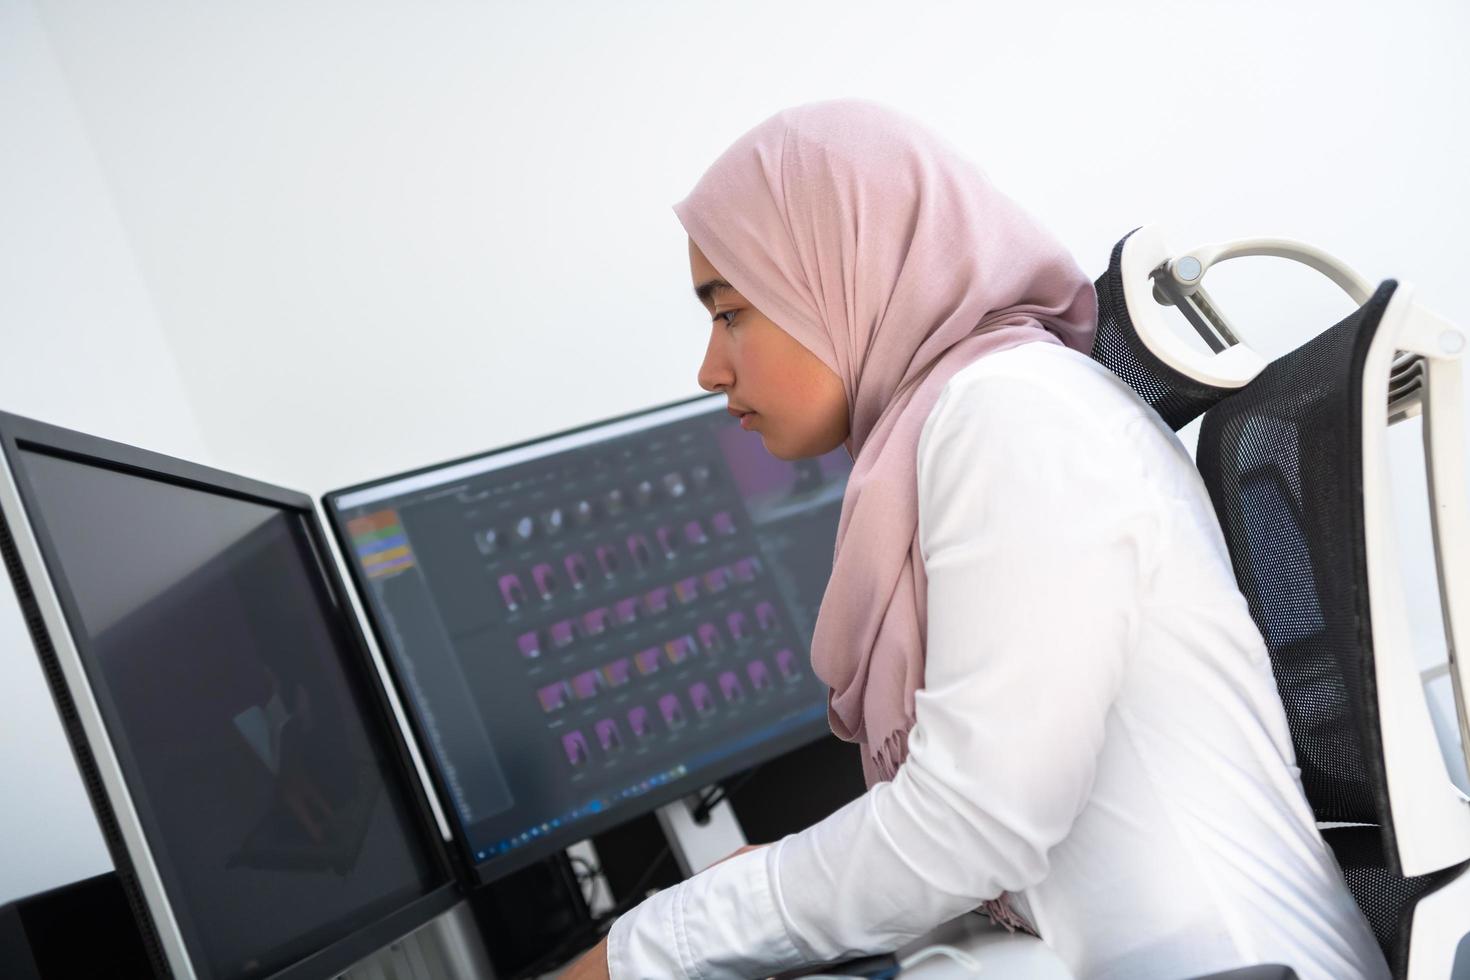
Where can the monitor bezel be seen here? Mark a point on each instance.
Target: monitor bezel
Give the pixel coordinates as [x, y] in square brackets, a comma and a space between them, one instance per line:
[493, 868]
[49, 609]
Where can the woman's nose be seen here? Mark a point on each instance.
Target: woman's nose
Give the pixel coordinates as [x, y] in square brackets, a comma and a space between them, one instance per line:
[714, 372]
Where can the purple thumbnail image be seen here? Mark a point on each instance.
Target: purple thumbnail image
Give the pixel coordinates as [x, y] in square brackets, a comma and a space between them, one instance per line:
[530, 645]
[545, 580]
[585, 685]
[575, 746]
[673, 712]
[512, 592]
[647, 660]
[679, 649]
[765, 615]
[665, 538]
[722, 522]
[553, 696]
[759, 674]
[731, 687]
[638, 548]
[786, 664]
[694, 533]
[736, 622]
[607, 735]
[617, 673]
[715, 580]
[656, 600]
[625, 611]
[562, 633]
[594, 621]
[746, 568]
[639, 722]
[687, 589]
[608, 559]
[576, 567]
[709, 637]
[701, 698]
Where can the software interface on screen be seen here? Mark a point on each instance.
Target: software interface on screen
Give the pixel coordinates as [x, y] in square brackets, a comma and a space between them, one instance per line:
[270, 802]
[586, 618]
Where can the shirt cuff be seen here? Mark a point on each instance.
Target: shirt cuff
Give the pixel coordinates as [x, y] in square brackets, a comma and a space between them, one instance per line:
[722, 923]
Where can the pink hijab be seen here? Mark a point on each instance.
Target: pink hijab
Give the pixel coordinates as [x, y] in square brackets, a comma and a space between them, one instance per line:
[891, 257]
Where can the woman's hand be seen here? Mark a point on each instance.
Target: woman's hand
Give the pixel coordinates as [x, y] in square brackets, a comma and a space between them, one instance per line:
[592, 965]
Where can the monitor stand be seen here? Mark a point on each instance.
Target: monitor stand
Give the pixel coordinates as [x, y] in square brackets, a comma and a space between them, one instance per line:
[697, 846]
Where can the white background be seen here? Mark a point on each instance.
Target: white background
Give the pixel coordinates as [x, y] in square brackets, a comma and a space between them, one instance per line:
[319, 243]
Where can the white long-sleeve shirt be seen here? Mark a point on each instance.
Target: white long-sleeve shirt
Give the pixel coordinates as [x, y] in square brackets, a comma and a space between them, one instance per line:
[1098, 730]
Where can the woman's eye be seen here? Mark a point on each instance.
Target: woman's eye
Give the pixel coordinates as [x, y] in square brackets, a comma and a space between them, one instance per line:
[728, 316]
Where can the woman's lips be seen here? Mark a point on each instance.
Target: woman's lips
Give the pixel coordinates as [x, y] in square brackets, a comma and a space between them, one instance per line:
[745, 420]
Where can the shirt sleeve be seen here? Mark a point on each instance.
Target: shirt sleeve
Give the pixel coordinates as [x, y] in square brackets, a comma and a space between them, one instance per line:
[1036, 530]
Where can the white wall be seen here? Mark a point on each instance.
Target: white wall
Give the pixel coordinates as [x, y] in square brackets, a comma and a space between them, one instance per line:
[382, 234]
[80, 346]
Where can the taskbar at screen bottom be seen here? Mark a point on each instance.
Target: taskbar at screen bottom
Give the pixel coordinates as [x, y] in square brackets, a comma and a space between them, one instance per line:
[498, 857]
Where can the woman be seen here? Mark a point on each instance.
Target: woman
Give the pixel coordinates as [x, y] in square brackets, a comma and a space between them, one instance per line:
[1066, 712]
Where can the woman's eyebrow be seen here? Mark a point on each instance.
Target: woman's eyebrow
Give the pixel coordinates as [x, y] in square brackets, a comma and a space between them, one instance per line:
[706, 290]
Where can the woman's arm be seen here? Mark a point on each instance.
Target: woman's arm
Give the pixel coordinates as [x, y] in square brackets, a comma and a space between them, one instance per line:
[1035, 531]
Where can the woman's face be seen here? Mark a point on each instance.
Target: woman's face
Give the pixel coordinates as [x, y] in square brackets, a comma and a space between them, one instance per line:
[782, 390]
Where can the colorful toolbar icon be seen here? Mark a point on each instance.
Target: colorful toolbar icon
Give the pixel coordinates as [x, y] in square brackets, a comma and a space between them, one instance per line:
[617, 673]
[545, 580]
[731, 687]
[673, 712]
[656, 600]
[512, 592]
[608, 736]
[586, 685]
[759, 674]
[576, 567]
[563, 633]
[701, 698]
[530, 645]
[594, 621]
[625, 611]
[553, 696]
[576, 748]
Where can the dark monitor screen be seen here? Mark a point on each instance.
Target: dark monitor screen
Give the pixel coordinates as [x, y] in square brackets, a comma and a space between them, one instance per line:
[591, 624]
[233, 693]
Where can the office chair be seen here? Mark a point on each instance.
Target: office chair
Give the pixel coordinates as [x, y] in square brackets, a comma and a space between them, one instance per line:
[1293, 453]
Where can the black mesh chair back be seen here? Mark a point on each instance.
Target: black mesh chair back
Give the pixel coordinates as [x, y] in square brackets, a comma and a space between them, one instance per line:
[1283, 462]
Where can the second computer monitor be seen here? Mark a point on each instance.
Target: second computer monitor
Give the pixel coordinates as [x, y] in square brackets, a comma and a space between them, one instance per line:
[594, 623]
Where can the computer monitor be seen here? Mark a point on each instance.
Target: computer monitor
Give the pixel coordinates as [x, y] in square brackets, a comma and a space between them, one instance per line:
[591, 624]
[250, 782]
